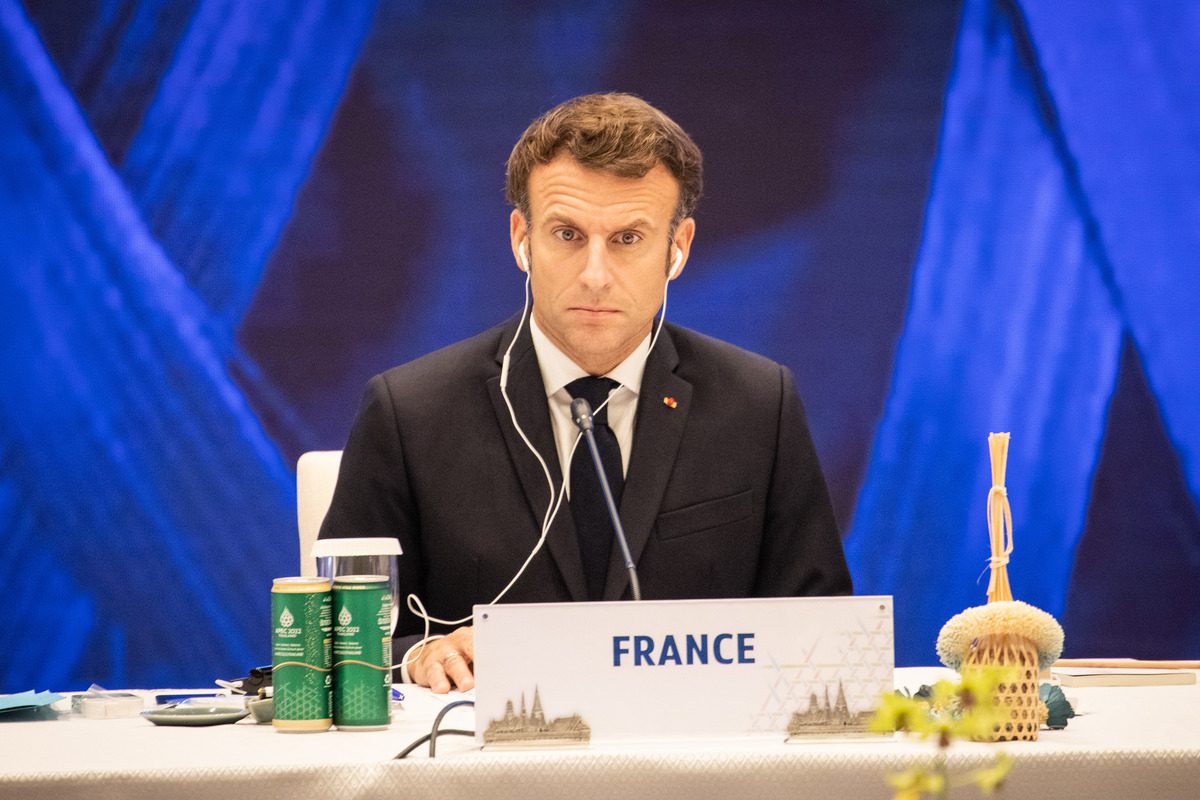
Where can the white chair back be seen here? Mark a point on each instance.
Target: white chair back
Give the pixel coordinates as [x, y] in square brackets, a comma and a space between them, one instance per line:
[316, 475]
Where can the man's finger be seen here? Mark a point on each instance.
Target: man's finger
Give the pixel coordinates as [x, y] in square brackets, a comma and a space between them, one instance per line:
[436, 676]
[465, 644]
[458, 668]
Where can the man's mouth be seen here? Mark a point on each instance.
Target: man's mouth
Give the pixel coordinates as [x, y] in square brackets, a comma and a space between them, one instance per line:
[594, 310]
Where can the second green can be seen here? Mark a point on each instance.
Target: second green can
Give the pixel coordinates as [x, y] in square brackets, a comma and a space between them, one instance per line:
[362, 652]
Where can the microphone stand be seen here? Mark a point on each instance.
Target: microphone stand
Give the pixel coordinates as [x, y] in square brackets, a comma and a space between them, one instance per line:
[581, 413]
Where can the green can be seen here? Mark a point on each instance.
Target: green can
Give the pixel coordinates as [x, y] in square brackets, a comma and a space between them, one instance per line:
[362, 652]
[302, 664]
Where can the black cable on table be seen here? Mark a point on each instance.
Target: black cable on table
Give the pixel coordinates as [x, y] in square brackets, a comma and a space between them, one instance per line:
[427, 737]
[431, 737]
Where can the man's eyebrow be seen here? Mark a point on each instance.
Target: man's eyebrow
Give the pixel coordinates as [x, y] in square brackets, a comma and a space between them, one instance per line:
[558, 219]
[637, 223]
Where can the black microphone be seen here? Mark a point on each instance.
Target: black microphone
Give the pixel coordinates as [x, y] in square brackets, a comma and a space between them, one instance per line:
[581, 414]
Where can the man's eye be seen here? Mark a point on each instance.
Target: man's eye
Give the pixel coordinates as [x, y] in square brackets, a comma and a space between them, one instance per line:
[566, 234]
[629, 237]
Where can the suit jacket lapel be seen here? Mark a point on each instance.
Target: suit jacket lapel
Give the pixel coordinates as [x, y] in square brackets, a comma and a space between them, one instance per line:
[528, 396]
[658, 430]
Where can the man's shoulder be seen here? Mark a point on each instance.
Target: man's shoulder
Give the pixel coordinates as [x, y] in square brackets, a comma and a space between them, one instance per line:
[449, 366]
[703, 355]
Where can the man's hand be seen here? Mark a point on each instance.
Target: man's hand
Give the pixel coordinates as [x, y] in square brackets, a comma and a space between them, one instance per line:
[445, 662]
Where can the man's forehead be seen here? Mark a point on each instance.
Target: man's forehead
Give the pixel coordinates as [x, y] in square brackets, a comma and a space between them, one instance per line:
[563, 185]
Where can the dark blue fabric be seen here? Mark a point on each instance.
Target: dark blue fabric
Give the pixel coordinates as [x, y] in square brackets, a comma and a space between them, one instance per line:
[1126, 89]
[1067, 177]
[145, 490]
[235, 123]
[1011, 327]
[117, 60]
[217, 219]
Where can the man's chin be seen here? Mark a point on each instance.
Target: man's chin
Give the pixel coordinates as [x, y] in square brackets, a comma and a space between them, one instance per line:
[598, 351]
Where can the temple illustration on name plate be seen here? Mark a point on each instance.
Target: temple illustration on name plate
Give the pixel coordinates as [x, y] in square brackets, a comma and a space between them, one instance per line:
[532, 730]
[822, 719]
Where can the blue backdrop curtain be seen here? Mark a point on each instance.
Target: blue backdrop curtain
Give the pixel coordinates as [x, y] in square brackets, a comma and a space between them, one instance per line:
[1058, 219]
[1128, 115]
[217, 218]
[139, 485]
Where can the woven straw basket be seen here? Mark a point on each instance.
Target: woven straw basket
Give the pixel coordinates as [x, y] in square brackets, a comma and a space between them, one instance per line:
[1018, 695]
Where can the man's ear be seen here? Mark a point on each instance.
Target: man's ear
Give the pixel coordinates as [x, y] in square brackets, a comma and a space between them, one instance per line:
[681, 243]
[518, 234]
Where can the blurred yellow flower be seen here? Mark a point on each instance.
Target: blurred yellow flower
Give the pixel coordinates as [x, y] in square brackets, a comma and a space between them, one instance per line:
[962, 710]
[990, 778]
[913, 783]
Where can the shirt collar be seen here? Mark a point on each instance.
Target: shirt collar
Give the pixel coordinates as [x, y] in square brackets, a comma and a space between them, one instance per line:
[558, 369]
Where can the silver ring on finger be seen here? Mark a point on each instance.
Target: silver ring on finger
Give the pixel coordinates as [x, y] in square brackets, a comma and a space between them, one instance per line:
[450, 655]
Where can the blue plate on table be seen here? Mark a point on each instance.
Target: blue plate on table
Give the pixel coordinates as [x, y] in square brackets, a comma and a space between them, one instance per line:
[195, 716]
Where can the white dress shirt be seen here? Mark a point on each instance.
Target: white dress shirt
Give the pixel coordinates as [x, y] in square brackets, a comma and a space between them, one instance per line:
[558, 370]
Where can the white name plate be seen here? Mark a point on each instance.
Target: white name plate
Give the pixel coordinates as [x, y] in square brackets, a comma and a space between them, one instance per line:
[572, 674]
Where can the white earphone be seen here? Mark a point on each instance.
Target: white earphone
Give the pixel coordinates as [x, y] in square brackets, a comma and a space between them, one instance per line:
[524, 258]
[675, 264]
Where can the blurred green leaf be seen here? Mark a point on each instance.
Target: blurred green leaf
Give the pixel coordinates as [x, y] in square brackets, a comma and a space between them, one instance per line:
[1058, 709]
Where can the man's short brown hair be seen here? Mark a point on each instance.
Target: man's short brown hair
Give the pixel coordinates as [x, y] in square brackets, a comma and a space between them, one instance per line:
[618, 133]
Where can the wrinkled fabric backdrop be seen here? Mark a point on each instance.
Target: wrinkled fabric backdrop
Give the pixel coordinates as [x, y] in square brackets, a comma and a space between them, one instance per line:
[218, 218]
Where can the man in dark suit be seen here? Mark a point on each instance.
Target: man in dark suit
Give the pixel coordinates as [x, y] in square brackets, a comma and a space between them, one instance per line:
[467, 455]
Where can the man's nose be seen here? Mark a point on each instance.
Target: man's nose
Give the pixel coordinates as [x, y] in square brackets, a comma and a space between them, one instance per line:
[597, 269]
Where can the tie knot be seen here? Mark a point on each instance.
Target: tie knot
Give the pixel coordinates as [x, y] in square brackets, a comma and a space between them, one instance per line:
[595, 390]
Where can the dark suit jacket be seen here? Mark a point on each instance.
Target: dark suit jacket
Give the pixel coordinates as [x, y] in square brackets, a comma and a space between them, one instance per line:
[723, 495]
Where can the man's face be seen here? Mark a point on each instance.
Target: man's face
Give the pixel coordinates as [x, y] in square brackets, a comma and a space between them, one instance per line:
[599, 254]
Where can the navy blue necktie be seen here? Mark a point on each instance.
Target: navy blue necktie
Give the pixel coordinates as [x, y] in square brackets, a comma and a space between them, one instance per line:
[593, 525]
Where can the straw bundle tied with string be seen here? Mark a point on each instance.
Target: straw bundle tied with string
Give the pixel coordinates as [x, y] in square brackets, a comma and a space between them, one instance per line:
[999, 520]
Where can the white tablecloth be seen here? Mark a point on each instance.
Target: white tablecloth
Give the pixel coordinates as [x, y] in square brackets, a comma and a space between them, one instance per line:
[1130, 742]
